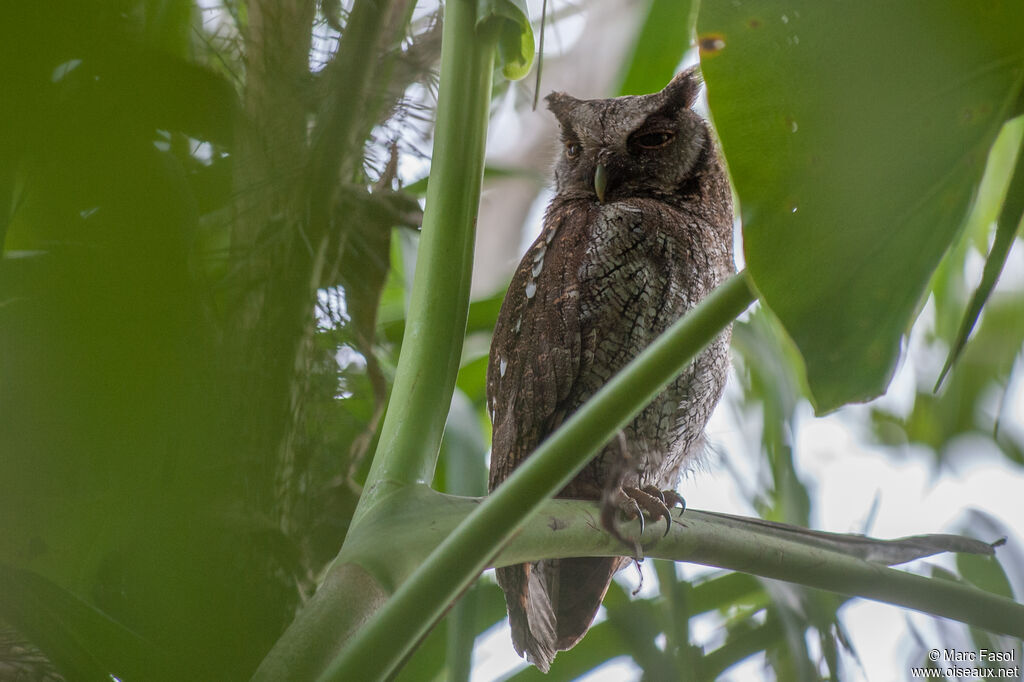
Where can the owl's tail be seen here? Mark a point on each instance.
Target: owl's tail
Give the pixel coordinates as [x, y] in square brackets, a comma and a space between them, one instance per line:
[552, 603]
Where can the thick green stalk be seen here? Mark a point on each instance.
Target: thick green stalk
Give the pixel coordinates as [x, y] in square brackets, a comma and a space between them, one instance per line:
[379, 647]
[432, 343]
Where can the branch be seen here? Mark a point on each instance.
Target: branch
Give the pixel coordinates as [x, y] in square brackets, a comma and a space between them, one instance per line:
[848, 564]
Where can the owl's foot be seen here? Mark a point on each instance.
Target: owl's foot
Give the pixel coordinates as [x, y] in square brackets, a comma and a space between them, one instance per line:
[636, 503]
[657, 503]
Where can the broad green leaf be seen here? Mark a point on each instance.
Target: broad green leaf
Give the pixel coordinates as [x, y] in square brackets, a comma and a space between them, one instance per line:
[660, 45]
[856, 134]
[515, 35]
[82, 642]
[168, 25]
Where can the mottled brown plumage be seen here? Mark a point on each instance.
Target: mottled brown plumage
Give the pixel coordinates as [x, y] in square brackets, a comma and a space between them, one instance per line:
[639, 231]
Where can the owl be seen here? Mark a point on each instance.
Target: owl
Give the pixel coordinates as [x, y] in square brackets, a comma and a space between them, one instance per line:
[638, 232]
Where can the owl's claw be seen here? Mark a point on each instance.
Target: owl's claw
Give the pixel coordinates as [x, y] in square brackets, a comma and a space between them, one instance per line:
[674, 499]
[655, 502]
[638, 503]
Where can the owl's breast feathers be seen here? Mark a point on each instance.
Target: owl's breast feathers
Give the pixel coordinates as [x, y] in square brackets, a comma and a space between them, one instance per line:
[598, 284]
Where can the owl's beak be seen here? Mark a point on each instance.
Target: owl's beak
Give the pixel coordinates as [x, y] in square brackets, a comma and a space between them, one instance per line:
[600, 181]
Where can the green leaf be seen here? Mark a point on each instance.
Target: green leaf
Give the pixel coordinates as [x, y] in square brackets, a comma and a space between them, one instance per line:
[463, 449]
[722, 591]
[743, 640]
[660, 45]
[984, 572]
[515, 35]
[82, 642]
[1007, 226]
[856, 134]
[472, 379]
[638, 624]
[936, 420]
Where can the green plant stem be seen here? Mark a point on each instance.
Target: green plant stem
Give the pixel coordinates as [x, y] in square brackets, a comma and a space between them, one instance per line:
[377, 648]
[432, 343]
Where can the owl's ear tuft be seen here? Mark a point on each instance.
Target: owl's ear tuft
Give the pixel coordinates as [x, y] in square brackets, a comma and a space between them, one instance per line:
[561, 104]
[682, 90]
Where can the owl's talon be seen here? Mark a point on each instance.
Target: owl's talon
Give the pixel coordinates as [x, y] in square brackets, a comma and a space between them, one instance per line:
[652, 490]
[660, 495]
[639, 515]
[674, 499]
[652, 504]
[640, 504]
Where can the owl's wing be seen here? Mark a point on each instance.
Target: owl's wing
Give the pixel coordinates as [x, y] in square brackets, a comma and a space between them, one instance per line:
[536, 349]
[533, 369]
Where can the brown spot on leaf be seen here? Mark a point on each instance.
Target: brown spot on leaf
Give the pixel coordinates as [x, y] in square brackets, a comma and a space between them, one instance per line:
[754, 23]
[711, 43]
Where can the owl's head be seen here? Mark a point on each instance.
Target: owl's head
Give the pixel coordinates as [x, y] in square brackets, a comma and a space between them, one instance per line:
[631, 146]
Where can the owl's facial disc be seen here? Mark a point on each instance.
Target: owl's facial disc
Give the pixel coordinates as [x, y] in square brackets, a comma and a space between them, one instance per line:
[625, 147]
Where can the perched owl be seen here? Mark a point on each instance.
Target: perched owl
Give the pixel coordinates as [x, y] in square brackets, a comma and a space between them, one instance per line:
[639, 231]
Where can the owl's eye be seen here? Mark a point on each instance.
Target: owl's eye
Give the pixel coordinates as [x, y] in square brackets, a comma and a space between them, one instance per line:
[572, 149]
[652, 140]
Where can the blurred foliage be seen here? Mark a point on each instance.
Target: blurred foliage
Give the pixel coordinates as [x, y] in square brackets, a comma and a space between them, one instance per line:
[663, 39]
[180, 457]
[129, 475]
